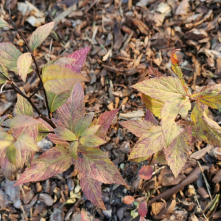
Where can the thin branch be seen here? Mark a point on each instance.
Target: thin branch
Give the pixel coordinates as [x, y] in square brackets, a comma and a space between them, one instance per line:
[36, 65]
[39, 87]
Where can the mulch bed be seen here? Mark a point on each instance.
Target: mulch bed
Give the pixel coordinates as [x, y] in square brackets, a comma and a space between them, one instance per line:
[126, 37]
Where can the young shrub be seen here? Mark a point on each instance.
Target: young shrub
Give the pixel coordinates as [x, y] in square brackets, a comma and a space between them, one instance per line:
[76, 137]
[169, 99]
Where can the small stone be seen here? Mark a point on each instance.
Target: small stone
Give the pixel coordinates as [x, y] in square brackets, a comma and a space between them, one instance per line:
[107, 213]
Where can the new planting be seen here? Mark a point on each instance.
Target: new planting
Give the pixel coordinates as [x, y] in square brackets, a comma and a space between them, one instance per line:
[176, 118]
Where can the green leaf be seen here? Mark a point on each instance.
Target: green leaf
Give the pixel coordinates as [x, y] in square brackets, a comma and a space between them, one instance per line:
[137, 127]
[23, 106]
[40, 34]
[170, 110]
[148, 144]
[58, 79]
[92, 190]
[73, 149]
[23, 65]
[210, 95]
[161, 88]
[11, 154]
[65, 134]
[9, 55]
[205, 128]
[83, 124]
[92, 141]
[153, 105]
[25, 142]
[43, 128]
[91, 130]
[50, 163]
[5, 140]
[3, 73]
[177, 152]
[3, 23]
[94, 163]
[57, 100]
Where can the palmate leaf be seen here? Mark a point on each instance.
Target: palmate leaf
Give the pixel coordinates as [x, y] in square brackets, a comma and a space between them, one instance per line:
[73, 149]
[40, 34]
[9, 55]
[137, 127]
[170, 110]
[177, 152]
[65, 134]
[50, 163]
[153, 105]
[211, 96]
[205, 128]
[92, 190]
[91, 130]
[58, 79]
[105, 120]
[73, 109]
[94, 163]
[148, 144]
[43, 128]
[161, 88]
[23, 65]
[57, 140]
[23, 106]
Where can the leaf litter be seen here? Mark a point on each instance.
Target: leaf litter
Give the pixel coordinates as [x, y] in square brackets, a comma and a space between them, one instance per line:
[126, 38]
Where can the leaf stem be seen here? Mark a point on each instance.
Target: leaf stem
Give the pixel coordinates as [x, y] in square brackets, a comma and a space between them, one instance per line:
[36, 65]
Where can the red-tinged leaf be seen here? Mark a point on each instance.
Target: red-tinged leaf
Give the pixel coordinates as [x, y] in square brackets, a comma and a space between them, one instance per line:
[159, 157]
[153, 105]
[92, 141]
[50, 163]
[146, 172]
[83, 124]
[25, 142]
[23, 106]
[154, 72]
[105, 120]
[170, 110]
[211, 96]
[73, 149]
[177, 152]
[5, 140]
[11, 153]
[40, 34]
[58, 141]
[65, 134]
[91, 130]
[150, 117]
[173, 57]
[79, 56]
[142, 219]
[205, 128]
[92, 190]
[21, 121]
[148, 144]
[3, 118]
[57, 100]
[73, 109]
[32, 131]
[162, 88]
[95, 164]
[137, 127]
[142, 209]
[9, 55]
[128, 200]
[23, 65]
[58, 79]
